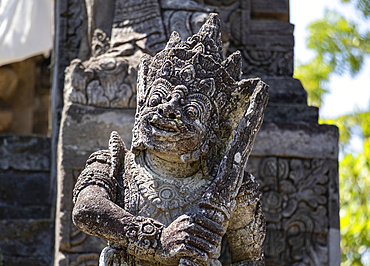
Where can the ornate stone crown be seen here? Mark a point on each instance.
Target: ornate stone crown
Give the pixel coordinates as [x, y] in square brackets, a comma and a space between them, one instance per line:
[198, 65]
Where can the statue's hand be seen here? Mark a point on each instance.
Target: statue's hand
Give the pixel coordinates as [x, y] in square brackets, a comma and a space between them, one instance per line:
[188, 237]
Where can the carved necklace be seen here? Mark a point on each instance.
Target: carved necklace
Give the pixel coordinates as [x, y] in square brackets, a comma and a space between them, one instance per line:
[167, 193]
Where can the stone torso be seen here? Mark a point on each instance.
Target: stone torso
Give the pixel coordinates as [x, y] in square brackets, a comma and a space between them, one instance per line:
[144, 193]
[148, 194]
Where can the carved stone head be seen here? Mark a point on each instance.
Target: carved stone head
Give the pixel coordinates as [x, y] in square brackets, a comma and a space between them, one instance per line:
[190, 100]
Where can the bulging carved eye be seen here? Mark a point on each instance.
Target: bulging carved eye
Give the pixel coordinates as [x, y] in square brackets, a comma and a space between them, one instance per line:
[192, 112]
[188, 73]
[155, 100]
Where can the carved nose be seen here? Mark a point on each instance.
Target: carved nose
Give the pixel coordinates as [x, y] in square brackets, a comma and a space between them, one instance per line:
[170, 109]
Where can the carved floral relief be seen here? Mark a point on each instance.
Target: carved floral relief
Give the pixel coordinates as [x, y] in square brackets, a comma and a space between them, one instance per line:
[295, 204]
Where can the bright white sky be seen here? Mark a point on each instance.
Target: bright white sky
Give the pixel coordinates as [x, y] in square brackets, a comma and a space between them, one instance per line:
[347, 93]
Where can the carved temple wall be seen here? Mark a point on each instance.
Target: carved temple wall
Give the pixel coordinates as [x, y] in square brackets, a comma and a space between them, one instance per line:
[294, 158]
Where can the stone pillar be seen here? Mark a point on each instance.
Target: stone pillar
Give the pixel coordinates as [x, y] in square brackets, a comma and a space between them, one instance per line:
[296, 166]
[294, 158]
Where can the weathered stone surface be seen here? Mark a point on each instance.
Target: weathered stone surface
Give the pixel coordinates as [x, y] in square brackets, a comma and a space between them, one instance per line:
[26, 242]
[288, 102]
[25, 153]
[182, 187]
[24, 195]
[25, 203]
[94, 126]
[301, 140]
[286, 90]
[261, 30]
[291, 113]
[271, 9]
[298, 212]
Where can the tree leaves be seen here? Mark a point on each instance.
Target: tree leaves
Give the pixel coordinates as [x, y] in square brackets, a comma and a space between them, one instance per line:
[339, 48]
[362, 5]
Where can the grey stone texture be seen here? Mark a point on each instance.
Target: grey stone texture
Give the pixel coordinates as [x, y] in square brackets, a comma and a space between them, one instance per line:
[26, 223]
[87, 131]
[299, 183]
[294, 158]
[181, 188]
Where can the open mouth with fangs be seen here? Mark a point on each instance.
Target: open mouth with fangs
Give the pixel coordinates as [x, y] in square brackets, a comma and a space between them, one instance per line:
[163, 127]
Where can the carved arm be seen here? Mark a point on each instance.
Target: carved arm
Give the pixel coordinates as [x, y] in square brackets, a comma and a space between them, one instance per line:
[96, 214]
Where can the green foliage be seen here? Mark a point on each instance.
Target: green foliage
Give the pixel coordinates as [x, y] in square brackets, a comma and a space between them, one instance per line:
[338, 43]
[349, 125]
[354, 213]
[314, 77]
[362, 5]
[340, 48]
[354, 186]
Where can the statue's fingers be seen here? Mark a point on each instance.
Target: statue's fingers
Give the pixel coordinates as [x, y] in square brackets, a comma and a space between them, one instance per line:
[209, 224]
[188, 251]
[187, 262]
[180, 224]
[204, 233]
[183, 218]
[200, 243]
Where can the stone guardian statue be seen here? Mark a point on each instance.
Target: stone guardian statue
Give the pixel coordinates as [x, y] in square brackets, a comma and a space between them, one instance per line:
[180, 194]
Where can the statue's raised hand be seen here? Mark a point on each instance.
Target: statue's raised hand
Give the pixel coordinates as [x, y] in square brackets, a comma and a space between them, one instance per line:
[189, 237]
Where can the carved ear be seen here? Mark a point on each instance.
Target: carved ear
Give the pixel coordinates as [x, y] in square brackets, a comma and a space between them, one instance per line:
[233, 65]
[142, 79]
[187, 74]
[167, 69]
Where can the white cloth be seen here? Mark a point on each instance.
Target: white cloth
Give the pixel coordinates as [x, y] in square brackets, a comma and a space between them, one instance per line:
[25, 29]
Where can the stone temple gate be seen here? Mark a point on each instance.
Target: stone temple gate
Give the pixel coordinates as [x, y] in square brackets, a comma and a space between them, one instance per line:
[99, 44]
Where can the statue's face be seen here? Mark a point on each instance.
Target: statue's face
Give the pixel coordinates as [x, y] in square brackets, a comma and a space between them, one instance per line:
[173, 119]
